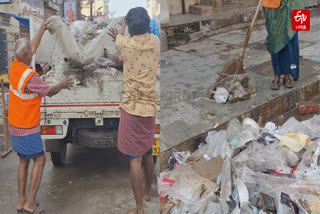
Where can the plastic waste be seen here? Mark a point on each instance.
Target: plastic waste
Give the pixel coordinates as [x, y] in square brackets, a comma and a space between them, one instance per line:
[213, 207]
[264, 158]
[306, 194]
[233, 129]
[245, 137]
[291, 157]
[226, 184]
[269, 132]
[249, 132]
[293, 141]
[251, 125]
[243, 156]
[221, 95]
[181, 157]
[294, 126]
[264, 173]
[314, 125]
[190, 188]
[217, 144]
[234, 142]
[237, 90]
[242, 192]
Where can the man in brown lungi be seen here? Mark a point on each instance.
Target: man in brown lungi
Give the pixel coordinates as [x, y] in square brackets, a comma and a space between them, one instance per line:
[141, 55]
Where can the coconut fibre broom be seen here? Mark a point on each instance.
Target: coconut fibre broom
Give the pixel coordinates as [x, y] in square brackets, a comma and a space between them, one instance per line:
[234, 65]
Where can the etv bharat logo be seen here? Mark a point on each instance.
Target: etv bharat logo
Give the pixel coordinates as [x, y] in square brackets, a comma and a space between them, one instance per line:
[300, 20]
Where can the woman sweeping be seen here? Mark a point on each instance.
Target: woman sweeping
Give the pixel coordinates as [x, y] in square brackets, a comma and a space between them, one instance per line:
[141, 55]
[282, 42]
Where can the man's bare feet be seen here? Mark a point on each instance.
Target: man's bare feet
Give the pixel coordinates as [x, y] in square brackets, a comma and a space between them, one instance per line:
[135, 211]
[30, 206]
[21, 203]
[147, 194]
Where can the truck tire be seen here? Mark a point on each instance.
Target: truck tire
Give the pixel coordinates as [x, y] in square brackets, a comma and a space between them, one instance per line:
[59, 158]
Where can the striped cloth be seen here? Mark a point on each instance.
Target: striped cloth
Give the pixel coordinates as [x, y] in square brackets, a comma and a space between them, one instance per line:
[34, 85]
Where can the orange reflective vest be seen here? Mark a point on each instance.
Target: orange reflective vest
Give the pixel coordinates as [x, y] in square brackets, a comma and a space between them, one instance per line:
[24, 108]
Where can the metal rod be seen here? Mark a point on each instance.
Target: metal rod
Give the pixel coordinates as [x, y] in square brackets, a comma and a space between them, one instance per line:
[91, 12]
[4, 121]
[183, 7]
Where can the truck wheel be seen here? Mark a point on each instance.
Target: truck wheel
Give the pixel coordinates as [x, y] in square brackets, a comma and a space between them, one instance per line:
[59, 158]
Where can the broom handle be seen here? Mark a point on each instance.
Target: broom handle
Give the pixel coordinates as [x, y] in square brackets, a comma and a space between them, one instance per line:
[250, 30]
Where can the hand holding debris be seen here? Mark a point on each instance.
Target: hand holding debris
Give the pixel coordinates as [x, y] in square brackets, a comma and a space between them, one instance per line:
[53, 24]
[67, 83]
[113, 32]
[123, 22]
[44, 25]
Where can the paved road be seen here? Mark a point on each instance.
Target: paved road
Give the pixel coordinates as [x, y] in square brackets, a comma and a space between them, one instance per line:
[93, 182]
[188, 73]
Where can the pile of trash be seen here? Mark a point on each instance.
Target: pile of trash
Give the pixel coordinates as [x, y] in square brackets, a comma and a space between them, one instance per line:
[247, 169]
[232, 88]
[78, 50]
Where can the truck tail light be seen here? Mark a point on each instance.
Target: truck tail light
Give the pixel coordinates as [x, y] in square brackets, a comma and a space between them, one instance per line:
[51, 130]
[157, 128]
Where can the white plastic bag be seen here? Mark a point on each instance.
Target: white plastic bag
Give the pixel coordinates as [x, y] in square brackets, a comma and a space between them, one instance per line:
[314, 125]
[294, 126]
[249, 131]
[221, 95]
[213, 207]
[264, 158]
[251, 125]
[218, 144]
[233, 129]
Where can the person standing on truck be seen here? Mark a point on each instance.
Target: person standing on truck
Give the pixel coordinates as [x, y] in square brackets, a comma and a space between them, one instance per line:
[25, 95]
[141, 55]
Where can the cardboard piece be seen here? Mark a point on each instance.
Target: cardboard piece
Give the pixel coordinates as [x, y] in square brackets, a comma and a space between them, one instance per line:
[209, 169]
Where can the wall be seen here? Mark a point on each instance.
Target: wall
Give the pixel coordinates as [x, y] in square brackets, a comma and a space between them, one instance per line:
[96, 5]
[3, 51]
[12, 27]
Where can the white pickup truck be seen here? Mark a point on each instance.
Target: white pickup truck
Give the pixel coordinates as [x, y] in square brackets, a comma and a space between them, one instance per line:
[87, 115]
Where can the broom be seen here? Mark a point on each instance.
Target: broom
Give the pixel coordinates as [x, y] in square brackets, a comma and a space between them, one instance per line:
[234, 64]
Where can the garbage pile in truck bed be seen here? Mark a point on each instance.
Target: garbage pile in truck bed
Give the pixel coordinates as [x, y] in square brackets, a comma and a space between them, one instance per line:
[247, 169]
[81, 50]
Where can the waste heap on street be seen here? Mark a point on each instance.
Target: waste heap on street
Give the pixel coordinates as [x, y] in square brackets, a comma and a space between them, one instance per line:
[247, 169]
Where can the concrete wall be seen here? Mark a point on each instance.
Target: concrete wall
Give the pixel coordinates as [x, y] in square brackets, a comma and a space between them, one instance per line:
[12, 27]
[175, 6]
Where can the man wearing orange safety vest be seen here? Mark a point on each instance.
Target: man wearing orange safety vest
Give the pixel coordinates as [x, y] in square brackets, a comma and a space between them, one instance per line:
[25, 94]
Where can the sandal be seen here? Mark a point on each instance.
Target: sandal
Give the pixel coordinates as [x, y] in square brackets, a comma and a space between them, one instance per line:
[36, 211]
[275, 85]
[288, 82]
